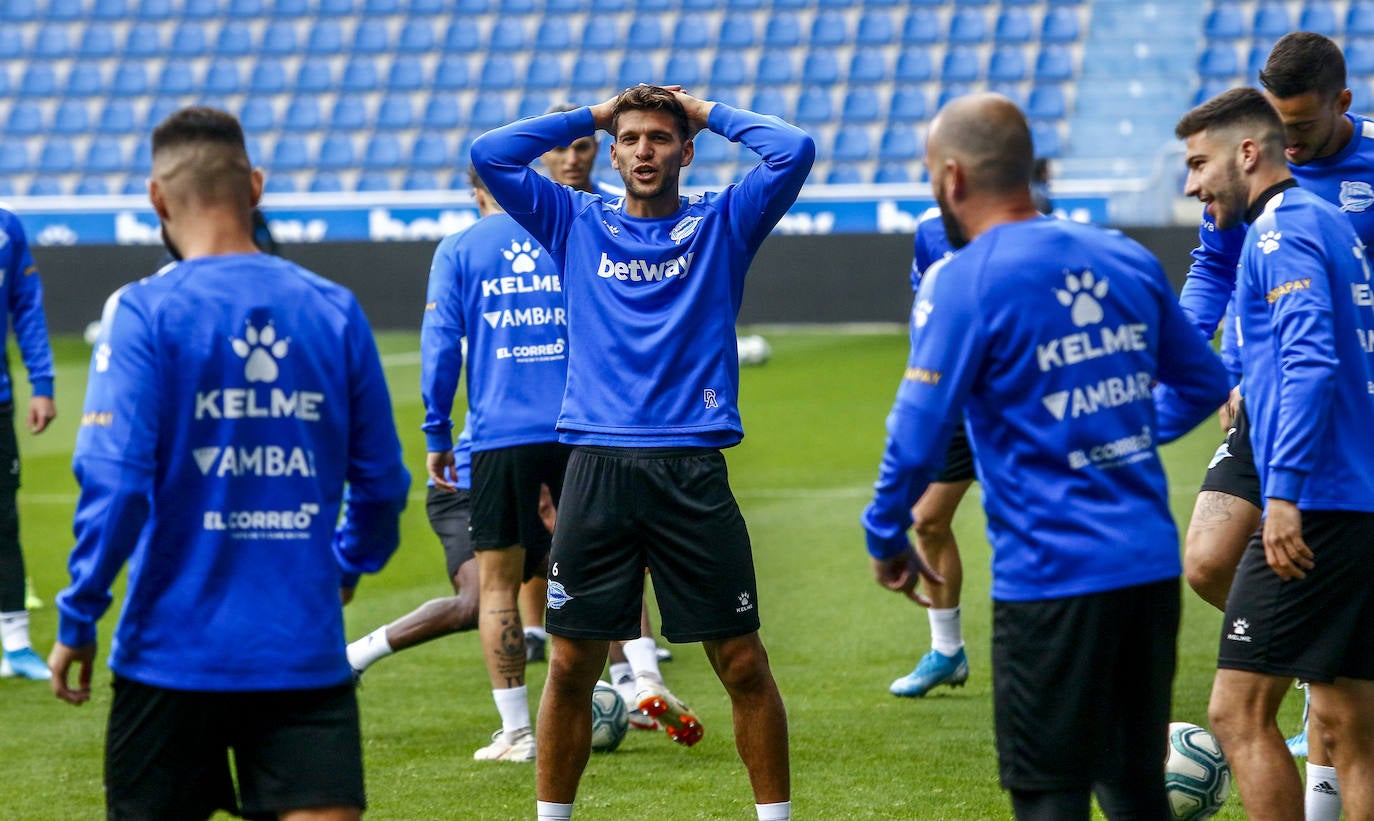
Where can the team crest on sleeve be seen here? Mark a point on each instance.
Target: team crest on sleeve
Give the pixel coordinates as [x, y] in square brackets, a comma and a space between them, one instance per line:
[684, 229]
[1269, 241]
[1356, 195]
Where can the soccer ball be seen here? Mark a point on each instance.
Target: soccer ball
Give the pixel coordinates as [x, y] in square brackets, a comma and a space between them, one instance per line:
[1196, 775]
[754, 350]
[610, 718]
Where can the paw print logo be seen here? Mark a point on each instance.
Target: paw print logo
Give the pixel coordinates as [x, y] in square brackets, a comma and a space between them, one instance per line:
[1239, 626]
[522, 256]
[922, 312]
[744, 599]
[1080, 295]
[1269, 241]
[262, 349]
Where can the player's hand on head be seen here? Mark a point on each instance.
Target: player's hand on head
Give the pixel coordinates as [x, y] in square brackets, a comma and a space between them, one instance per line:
[42, 410]
[1284, 548]
[60, 662]
[698, 110]
[439, 465]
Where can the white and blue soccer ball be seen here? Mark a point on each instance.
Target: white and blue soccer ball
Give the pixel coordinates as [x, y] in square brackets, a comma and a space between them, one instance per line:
[1196, 775]
[754, 350]
[610, 718]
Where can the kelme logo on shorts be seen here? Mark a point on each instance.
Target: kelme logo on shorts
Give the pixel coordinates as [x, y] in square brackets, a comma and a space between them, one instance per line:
[558, 596]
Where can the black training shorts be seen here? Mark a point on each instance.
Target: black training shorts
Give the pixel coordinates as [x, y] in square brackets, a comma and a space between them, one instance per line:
[450, 517]
[167, 752]
[958, 458]
[668, 509]
[1081, 687]
[1232, 469]
[1315, 628]
[505, 495]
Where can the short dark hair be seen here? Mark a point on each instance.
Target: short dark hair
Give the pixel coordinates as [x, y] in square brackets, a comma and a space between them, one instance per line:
[649, 98]
[198, 124]
[1304, 61]
[475, 180]
[204, 154]
[1237, 107]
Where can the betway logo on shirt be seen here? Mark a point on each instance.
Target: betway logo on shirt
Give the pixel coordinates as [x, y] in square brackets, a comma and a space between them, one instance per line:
[639, 270]
[1086, 345]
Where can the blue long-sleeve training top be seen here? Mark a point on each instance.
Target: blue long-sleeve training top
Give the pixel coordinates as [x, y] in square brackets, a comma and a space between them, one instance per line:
[230, 402]
[651, 302]
[1307, 318]
[22, 292]
[1048, 334]
[496, 287]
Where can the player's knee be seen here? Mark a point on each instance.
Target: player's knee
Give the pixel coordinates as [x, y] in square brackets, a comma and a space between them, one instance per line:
[460, 612]
[741, 664]
[1208, 572]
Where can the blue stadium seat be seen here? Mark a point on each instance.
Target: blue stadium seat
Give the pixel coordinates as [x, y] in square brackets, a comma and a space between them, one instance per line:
[177, 77]
[960, 65]
[861, 106]
[1318, 17]
[407, 74]
[66, 9]
[188, 40]
[420, 180]
[14, 156]
[590, 71]
[269, 77]
[383, 151]
[968, 25]
[736, 31]
[462, 36]
[235, 39]
[326, 37]
[279, 184]
[70, 118]
[200, 9]
[507, 35]
[360, 74]
[395, 112]
[279, 37]
[900, 143]
[1208, 89]
[852, 143]
[510, 7]
[498, 72]
[51, 42]
[45, 187]
[290, 8]
[532, 104]
[774, 68]
[712, 149]
[441, 112]
[451, 74]
[381, 8]
[373, 181]
[103, 156]
[683, 68]
[488, 111]
[334, 8]
[39, 80]
[302, 114]
[1060, 26]
[1224, 22]
[841, 174]
[158, 110]
[117, 117]
[744, 5]
[429, 151]
[257, 114]
[416, 36]
[1271, 21]
[1359, 20]
[326, 182]
[84, 80]
[867, 66]
[155, 10]
[246, 9]
[1046, 102]
[635, 68]
[134, 184]
[814, 106]
[1045, 138]
[556, 7]
[458, 181]
[913, 66]
[19, 11]
[700, 176]
[1258, 56]
[369, 37]
[12, 43]
[141, 160]
[728, 70]
[605, 6]
[769, 101]
[91, 187]
[57, 157]
[314, 75]
[922, 27]
[875, 29]
[129, 79]
[1359, 57]
[821, 68]
[1013, 26]
[349, 114]
[830, 28]
[553, 34]
[599, 33]
[1361, 98]
[690, 32]
[143, 40]
[783, 30]
[1055, 63]
[1219, 60]
[892, 172]
[289, 154]
[468, 8]
[1007, 64]
[96, 42]
[336, 151]
[908, 104]
[462, 156]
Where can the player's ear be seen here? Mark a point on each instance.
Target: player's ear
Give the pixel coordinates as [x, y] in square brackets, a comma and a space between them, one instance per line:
[689, 150]
[1247, 154]
[615, 156]
[1343, 100]
[255, 180]
[158, 198]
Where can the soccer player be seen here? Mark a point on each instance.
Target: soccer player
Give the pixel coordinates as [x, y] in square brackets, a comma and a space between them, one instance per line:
[235, 401]
[1048, 335]
[22, 293]
[1300, 605]
[653, 283]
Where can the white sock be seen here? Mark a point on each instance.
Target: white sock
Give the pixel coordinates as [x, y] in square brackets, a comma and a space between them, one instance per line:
[642, 653]
[365, 652]
[946, 630]
[537, 632]
[549, 811]
[781, 811]
[623, 680]
[1322, 799]
[514, 706]
[14, 630]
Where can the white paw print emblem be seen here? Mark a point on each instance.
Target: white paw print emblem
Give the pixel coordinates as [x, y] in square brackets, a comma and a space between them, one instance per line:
[1240, 626]
[1269, 241]
[262, 349]
[922, 312]
[522, 256]
[1080, 295]
[744, 599]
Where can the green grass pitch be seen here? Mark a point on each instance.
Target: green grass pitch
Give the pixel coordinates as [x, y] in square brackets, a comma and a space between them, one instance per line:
[814, 417]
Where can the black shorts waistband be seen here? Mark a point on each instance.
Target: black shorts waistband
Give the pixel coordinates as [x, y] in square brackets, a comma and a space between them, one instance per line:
[644, 453]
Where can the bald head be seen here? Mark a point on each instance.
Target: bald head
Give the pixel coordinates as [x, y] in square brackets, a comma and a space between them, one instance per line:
[199, 157]
[987, 135]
